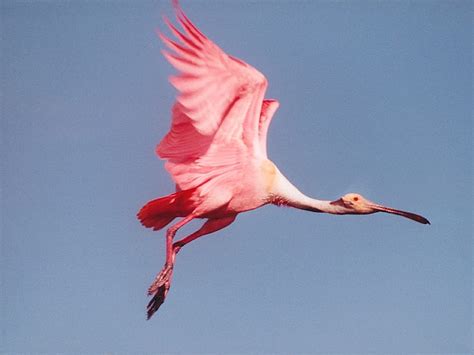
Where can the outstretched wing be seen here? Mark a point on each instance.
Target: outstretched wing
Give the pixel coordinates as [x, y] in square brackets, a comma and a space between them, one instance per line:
[216, 119]
[269, 107]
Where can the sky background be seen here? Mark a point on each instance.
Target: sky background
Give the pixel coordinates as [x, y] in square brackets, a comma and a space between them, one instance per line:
[375, 98]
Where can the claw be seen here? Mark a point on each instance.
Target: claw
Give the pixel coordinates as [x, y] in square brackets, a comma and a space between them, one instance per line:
[157, 300]
[159, 289]
[161, 279]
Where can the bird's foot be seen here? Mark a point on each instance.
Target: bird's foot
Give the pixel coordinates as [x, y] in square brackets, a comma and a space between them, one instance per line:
[162, 279]
[161, 285]
[159, 289]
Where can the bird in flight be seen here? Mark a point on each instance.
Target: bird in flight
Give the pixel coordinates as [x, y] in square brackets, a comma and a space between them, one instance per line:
[216, 150]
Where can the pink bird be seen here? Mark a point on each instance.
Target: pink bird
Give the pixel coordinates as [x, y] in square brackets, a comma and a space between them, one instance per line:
[216, 150]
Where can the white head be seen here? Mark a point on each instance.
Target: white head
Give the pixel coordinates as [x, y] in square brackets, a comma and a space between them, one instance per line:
[353, 203]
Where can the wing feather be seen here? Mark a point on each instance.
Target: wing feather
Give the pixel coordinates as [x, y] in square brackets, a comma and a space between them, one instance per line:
[269, 108]
[217, 118]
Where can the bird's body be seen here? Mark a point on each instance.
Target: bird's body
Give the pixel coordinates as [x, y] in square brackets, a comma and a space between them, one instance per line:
[216, 150]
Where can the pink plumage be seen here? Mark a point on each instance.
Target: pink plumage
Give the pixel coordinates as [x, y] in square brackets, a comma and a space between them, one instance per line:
[216, 150]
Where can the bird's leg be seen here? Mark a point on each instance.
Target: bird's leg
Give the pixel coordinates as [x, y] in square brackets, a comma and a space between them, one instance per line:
[162, 283]
[211, 226]
[167, 270]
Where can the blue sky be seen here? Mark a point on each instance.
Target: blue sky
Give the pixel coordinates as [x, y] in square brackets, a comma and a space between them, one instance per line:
[375, 98]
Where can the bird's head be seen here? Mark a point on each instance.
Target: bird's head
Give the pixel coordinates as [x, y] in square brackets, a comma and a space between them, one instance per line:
[353, 203]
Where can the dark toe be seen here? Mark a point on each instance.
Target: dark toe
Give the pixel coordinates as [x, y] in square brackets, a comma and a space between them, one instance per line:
[156, 301]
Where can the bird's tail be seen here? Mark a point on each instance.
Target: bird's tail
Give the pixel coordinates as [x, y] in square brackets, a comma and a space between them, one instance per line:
[158, 213]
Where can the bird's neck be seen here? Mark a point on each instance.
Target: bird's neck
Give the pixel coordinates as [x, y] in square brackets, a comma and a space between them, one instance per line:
[314, 205]
[285, 193]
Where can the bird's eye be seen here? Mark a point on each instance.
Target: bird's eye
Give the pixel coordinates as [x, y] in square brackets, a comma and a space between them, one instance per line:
[355, 198]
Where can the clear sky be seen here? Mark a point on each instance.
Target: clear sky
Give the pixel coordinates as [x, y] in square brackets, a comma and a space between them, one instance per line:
[375, 98]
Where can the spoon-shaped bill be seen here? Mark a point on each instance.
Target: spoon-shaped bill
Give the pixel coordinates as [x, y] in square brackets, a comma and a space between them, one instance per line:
[410, 215]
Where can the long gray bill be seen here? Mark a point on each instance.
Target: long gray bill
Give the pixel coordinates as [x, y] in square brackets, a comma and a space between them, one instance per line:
[412, 216]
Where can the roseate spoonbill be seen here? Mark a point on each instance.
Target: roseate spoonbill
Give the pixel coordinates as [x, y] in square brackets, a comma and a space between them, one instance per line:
[216, 150]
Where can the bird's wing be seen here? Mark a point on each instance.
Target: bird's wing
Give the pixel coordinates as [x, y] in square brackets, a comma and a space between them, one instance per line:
[269, 107]
[216, 118]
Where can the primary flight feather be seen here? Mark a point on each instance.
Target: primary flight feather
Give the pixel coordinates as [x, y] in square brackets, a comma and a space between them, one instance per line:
[216, 150]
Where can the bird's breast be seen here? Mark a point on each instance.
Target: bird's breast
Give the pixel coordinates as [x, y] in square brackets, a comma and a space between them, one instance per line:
[252, 188]
[248, 188]
[269, 172]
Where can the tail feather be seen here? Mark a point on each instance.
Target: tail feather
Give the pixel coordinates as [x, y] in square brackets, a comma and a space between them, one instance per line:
[158, 213]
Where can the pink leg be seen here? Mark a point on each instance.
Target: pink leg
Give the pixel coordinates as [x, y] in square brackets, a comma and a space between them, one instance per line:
[162, 282]
[211, 226]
